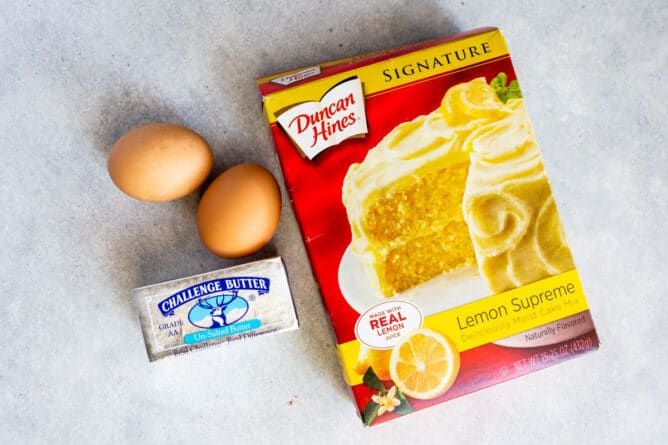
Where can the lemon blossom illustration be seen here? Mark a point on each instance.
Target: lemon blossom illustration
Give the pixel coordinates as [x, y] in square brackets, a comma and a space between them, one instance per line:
[386, 402]
[383, 400]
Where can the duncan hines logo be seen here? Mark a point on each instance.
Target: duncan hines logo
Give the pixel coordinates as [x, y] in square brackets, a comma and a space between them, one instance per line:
[339, 115]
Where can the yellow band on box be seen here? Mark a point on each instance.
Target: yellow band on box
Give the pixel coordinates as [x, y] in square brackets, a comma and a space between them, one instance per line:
[380, 76]
[495, 317]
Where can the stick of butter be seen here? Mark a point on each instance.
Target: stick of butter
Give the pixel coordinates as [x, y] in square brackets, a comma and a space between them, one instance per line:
[198, 312]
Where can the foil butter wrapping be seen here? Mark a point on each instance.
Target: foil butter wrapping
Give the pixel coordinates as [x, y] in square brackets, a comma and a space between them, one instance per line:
[202, 311]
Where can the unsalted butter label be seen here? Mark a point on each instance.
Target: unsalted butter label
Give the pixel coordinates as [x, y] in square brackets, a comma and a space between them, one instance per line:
[198, 312]
[210, 334]
[317, 125]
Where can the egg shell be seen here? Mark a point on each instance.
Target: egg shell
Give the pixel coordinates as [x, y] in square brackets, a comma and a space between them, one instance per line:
[159, 162]
[239, 211]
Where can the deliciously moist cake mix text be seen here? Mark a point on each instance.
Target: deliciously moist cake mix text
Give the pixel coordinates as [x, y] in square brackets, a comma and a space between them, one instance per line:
[429, 221]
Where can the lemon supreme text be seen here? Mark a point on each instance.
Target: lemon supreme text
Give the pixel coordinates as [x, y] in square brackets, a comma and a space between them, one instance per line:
[517, 304]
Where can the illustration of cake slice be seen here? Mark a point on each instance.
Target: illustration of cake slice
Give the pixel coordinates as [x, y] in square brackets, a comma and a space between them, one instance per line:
[460, 189]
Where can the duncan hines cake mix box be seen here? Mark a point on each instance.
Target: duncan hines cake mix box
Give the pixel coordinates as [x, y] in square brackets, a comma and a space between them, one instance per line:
[428, 218]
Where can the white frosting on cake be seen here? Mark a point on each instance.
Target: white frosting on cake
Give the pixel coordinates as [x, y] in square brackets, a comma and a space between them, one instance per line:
[508, 205]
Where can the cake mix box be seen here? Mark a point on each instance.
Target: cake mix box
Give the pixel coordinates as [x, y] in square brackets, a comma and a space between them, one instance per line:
[429, 221]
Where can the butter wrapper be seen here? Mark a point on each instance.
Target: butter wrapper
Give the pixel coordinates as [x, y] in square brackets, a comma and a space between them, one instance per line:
[202, 311]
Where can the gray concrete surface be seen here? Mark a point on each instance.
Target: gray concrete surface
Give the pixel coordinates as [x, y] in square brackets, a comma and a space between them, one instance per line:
[75, 75]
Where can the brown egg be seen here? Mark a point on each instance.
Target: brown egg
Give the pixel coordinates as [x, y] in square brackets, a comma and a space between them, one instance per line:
[159, 162]
[239, 211]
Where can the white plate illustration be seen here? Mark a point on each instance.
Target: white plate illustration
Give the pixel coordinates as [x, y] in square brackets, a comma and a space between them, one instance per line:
[436, 295]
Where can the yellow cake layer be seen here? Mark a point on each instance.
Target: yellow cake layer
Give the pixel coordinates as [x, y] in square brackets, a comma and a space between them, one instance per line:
[423, 206]
[423, 258]
[416, 232]
[408, 188]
